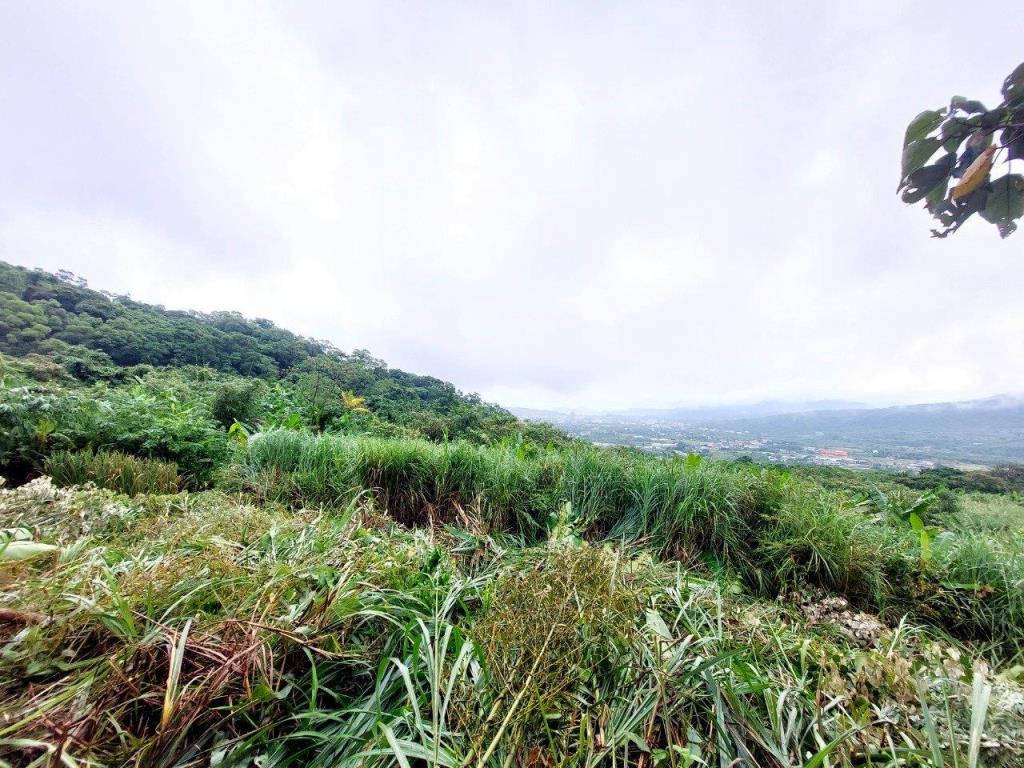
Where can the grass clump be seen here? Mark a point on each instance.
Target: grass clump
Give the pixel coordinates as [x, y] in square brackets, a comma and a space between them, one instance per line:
[550, 630]
[113, 470]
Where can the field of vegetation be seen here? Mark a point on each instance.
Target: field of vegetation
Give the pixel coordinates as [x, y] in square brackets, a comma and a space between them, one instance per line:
[332, 563]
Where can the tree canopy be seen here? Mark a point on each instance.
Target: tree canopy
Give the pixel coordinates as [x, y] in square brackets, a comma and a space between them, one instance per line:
[958, 160]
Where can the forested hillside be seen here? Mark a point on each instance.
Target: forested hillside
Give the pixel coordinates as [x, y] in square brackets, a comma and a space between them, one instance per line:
[92, 331]
[65, 330]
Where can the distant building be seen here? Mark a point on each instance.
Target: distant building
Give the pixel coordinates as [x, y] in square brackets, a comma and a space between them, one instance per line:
[833, 453]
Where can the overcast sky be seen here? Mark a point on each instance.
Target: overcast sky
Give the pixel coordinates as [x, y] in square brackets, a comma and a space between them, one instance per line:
[555, 204]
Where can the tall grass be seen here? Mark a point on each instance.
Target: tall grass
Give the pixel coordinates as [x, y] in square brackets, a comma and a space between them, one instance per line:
[415, 480]
[775, 532]
[625, 493]
[113, 470]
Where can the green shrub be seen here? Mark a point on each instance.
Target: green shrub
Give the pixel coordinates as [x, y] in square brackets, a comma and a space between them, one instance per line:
[816, 537]
[30, 426]
[113, 470]
[146, 421]
[981, 591]
[150, 423]
[237, 401]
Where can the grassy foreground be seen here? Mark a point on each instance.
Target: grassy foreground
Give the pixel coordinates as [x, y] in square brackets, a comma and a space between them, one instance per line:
[376, 602]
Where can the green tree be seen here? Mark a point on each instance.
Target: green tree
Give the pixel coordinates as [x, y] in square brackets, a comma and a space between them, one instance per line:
[954, 160]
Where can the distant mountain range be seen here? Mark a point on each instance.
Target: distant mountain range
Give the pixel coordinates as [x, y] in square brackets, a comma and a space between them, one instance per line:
[987, 431]
[965, 420]
[723, 412]
[834, 411]
[695, 414]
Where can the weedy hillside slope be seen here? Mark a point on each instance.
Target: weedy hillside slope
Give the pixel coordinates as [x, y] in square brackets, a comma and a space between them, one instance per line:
[201, 629]
[351, 598]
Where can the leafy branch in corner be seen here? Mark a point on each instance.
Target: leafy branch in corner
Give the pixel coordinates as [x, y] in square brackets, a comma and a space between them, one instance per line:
[968, 141]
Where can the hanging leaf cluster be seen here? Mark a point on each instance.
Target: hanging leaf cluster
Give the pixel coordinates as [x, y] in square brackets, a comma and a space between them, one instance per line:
[958, 160]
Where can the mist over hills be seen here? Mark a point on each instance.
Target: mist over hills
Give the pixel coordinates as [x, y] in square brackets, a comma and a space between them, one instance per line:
[837, 410]
[988, 430]
[1000, 412]
[750, 410]
[700, 414]
[984, 431]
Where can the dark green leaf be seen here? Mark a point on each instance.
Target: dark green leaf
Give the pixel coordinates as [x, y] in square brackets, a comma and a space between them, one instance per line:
[953, 132]
[980, 140]
[924, 180]
[935, 199]
[955, 215]
[917, 153]
[993, 117]
[944, 212]
[1013, 85]
[922, 125]
[970, 154]
[1005, 203]
[1013, 138]
[954, 126]
[970, 106]
[975, 201]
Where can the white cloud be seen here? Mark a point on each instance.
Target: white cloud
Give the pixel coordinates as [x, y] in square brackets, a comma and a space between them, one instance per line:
[553, 206]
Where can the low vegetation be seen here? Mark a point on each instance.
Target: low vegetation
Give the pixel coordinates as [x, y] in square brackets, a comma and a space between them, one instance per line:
[116, 471]
[770, 530]
[199, 629]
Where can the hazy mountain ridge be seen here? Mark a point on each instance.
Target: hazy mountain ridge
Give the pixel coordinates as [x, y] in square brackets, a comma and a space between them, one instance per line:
[767, 408]
[999, 411]
[987, 431]
[697, 414]
[761, 408]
